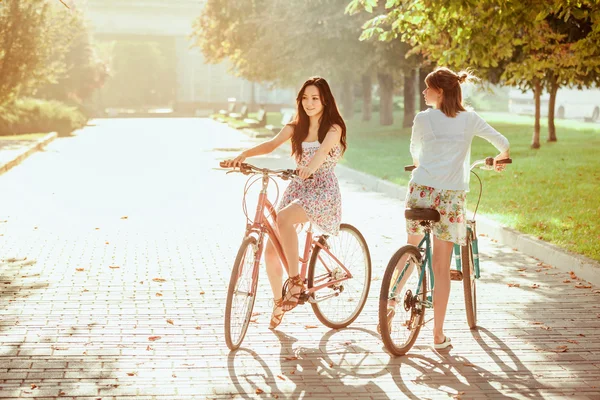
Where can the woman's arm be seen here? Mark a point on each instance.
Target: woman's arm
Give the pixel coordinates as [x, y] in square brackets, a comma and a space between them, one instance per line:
[331, 139]
[263, 148]
[416, 139]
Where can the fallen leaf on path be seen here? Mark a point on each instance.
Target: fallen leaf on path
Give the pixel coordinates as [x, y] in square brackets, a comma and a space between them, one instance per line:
[291, 358]
[583, 286]
[537, 323]
[106, 243]
[113, 266]
[522, 269]
[310, 326]
[159, 280]
[149, 348]
[560, 349]
[79, 269]
[202, 292]
[132, 373]
[154, 338]
[573, 276]
[159, 294]
[259, 391]
[125, 217]
[170, 321]
[468, 364]
[198, 328]
[33, 386]
[281, 377]
[514, 285]
[581, 334]
[567, 281]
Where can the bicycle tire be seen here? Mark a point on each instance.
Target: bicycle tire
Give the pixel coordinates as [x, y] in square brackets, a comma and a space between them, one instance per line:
[469, 283]
[243, 319]
[401, 348]
[319, 310]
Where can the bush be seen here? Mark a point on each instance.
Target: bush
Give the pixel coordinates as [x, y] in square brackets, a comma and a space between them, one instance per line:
[35, 116]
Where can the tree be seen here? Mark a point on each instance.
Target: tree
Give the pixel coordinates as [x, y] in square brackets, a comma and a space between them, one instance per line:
[286, 42]
[33, 42]
[84, 72]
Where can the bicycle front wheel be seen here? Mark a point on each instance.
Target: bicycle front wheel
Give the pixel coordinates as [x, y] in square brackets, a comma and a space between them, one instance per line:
[469, 283]
[402, 300]
[339, 304]
[241, 293]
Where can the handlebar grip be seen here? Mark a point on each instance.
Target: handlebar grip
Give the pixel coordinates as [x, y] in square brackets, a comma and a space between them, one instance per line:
[490, 161]
[409, 167]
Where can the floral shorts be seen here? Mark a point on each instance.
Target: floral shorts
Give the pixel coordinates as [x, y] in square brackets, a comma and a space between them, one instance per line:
[452, 226]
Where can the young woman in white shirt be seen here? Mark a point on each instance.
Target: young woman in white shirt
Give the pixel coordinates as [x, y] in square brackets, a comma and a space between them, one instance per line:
[440, 147]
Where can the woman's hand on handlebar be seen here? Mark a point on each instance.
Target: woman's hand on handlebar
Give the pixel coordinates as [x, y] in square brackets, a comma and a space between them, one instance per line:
[236, 161]
[304, 172]
[502, 156]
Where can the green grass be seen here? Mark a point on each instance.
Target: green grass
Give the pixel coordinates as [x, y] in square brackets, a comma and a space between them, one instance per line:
[552, 193]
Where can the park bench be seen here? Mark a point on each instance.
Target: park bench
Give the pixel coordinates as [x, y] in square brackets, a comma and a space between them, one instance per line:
[230, 109]
[259, 121]
[287, 114]
[242, 114]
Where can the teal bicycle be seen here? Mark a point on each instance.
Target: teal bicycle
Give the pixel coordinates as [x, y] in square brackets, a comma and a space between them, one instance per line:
[408, 282]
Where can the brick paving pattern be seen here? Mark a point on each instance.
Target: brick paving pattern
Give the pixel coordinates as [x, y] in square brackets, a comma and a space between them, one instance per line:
[116, 247]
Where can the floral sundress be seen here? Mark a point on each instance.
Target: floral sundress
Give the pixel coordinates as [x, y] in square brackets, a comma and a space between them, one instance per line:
[452, 226]
[319, 197]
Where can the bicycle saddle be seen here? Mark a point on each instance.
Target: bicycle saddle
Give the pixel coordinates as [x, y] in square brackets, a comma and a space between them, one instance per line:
[422, 214]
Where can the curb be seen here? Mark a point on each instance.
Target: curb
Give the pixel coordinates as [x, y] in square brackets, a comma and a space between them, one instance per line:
[566, 261]
[26, 152]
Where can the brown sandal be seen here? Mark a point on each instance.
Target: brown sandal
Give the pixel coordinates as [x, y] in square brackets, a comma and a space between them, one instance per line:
[290, 300]
[276, 317]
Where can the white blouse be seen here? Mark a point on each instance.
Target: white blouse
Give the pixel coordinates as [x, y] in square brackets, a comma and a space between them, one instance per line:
[442, 146]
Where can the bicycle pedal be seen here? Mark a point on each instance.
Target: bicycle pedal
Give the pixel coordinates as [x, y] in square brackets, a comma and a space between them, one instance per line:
[456, 275]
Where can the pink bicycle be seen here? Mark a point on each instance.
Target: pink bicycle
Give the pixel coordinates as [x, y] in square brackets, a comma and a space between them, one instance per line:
[336, 270]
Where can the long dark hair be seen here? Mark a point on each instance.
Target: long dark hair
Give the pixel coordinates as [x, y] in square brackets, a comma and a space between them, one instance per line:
[331, 115]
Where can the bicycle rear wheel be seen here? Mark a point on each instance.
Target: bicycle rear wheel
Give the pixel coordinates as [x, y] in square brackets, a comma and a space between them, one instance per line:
[338, 305]
[399, 285]
[241, 293]
[469, 283]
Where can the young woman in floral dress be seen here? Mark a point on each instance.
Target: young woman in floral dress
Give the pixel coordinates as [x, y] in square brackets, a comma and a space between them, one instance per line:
[318, 138]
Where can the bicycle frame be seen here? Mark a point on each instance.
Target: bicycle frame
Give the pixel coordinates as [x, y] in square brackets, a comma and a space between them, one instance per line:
[261, 226]
[425, 264]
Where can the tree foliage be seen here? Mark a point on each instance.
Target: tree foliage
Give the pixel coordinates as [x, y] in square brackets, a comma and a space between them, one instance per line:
[528, 44]
[34, 37]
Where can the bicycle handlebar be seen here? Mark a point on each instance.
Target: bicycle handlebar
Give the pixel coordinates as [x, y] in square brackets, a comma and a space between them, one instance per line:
[248, 169]
[489, 162]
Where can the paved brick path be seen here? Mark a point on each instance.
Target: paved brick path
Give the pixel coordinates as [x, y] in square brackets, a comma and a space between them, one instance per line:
[116, 247]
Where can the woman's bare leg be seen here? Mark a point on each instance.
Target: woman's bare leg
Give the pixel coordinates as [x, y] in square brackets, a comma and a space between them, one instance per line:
[442, 251]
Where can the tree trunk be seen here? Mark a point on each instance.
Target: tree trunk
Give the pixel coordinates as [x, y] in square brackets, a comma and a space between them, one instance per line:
[423, 72]
[367, 95]
[253, 96]
[409, 98]
[386, 98]
[551, 108]
[537, 93]
[348, 99]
